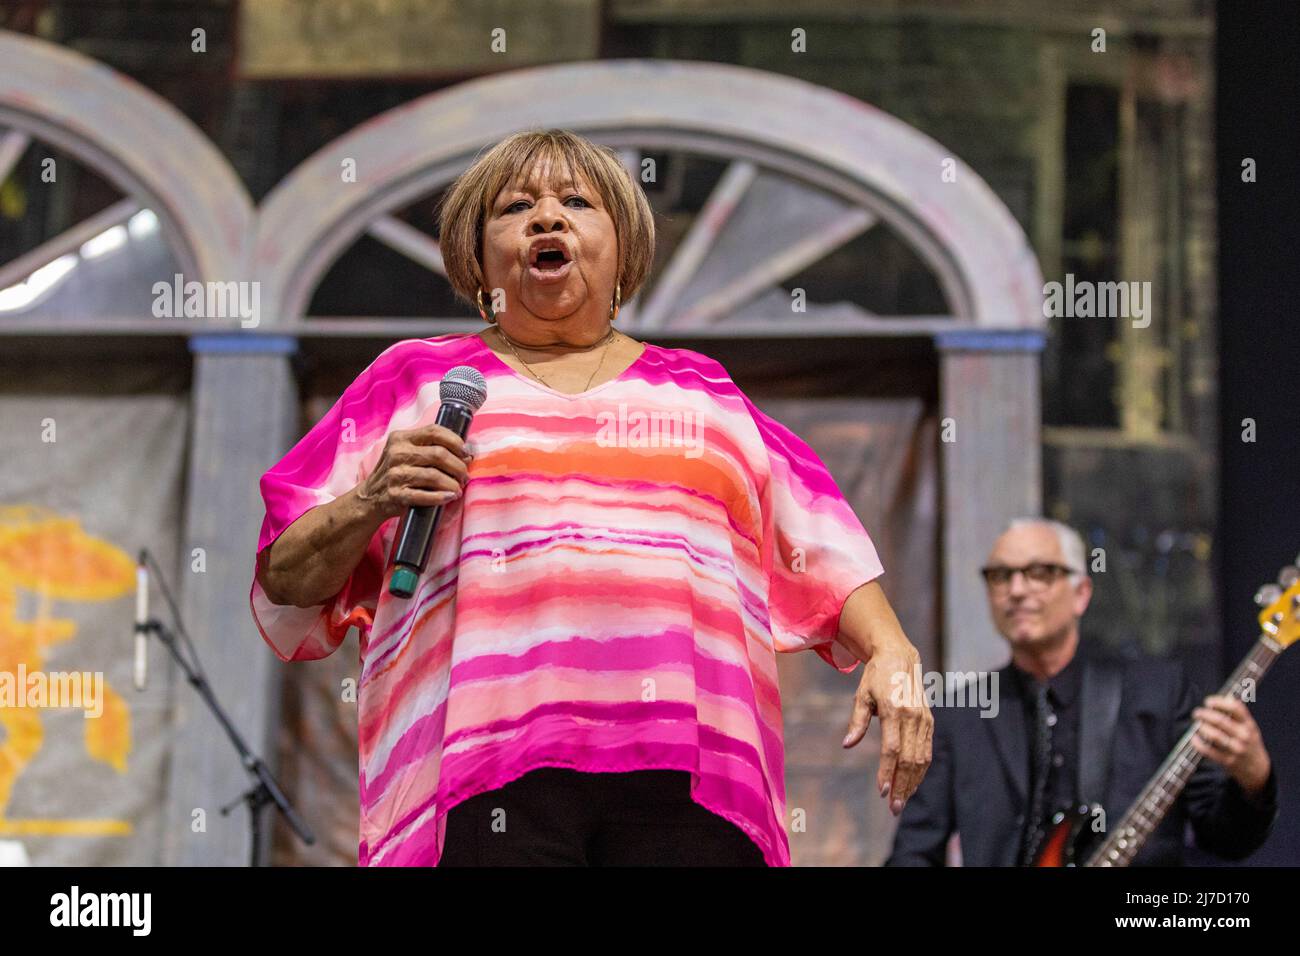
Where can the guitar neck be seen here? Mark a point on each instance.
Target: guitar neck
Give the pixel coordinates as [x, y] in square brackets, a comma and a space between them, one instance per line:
[1155, 801]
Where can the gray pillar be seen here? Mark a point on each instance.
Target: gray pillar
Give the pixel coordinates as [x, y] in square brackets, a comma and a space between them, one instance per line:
[992, 472]
[244, 417]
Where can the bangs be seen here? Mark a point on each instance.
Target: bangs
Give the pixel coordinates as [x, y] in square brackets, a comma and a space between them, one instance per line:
[519, 165]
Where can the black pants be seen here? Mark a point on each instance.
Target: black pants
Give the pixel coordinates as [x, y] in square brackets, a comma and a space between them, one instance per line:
[554, 816]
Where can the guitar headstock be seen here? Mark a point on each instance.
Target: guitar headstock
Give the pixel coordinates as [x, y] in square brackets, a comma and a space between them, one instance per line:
[1280, 617]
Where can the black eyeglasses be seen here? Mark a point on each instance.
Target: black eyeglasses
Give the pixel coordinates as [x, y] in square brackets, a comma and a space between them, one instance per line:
[1038, 574]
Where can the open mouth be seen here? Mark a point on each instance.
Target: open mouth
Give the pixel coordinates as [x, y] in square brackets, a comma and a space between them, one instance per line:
[548, 256]
[548, 260]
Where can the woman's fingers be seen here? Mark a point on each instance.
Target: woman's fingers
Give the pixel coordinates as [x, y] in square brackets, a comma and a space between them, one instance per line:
[915, 755]
[425, 479]
[432, 456]
[860, 720]
[437, 435]
[420, 467]
[905, 751]
[891, 747]
[419, 498]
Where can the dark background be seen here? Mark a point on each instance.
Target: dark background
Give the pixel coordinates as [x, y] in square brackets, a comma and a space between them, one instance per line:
[1259, 341]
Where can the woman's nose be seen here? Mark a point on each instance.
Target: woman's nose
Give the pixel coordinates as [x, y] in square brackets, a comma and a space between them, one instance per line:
[547, 218]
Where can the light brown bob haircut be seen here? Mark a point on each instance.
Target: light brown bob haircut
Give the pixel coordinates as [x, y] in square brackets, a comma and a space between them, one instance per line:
[466, 205]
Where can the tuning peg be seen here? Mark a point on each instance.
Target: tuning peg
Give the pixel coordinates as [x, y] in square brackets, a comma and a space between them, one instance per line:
[1267, 595]
[1288, 575]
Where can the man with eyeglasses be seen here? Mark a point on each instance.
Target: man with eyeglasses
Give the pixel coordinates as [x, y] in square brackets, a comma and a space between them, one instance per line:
[1074, 728]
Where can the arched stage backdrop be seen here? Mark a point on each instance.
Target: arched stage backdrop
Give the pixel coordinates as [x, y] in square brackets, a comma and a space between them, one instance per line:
[180, 416]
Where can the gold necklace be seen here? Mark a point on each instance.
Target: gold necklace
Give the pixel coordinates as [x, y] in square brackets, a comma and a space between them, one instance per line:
[586, 348]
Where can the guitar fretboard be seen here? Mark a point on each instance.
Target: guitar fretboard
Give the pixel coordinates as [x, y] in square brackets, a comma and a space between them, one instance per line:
[1154, 802]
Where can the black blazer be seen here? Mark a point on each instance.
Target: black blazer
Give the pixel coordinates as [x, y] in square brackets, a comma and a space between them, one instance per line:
[978, 781]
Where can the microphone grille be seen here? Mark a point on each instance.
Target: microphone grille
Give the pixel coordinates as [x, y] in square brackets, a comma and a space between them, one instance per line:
[464, 384]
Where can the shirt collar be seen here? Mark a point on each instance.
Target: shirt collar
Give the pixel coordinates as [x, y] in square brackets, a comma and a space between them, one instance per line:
[1064, 685]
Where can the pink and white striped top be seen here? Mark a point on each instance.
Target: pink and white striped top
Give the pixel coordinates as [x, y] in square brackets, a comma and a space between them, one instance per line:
[608, 594]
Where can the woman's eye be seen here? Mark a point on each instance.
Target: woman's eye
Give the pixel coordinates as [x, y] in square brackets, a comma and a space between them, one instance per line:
[524, 202]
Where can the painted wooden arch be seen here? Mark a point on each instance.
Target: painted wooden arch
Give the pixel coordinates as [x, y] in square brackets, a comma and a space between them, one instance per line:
[137, 141]
[879, 168]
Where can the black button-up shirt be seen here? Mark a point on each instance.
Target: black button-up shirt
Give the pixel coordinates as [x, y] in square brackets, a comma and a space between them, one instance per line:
[1063, 766]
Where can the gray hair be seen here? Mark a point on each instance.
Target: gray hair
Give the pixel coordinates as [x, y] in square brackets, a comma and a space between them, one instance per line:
[1071, 543]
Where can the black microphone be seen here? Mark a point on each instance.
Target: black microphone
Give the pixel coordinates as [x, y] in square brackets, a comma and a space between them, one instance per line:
[140, 670]
[463, 391]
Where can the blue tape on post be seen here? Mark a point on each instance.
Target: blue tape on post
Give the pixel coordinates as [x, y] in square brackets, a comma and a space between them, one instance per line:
[242, 343]
[970, 340]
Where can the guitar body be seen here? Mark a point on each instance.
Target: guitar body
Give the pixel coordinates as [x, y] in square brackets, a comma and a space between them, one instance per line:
[1069, 837]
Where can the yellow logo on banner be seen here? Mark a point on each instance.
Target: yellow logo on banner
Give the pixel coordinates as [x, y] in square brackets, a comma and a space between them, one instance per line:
[52, 557]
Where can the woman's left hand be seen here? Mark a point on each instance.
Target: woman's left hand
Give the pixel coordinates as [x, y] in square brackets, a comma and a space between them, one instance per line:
[891, 688]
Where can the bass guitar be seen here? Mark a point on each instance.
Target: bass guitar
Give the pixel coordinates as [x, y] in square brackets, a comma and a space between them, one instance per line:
[1070, 836]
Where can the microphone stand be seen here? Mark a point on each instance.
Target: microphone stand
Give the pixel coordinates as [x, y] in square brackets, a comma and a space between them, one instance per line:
[265, 789]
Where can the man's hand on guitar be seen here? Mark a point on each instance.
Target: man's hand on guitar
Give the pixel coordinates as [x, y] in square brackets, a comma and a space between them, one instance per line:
[1229, 736]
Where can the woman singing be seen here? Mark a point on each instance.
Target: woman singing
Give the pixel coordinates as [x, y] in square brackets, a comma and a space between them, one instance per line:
[586, 673]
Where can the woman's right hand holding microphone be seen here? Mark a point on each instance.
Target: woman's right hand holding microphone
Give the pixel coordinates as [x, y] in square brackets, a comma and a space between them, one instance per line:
[420, 467]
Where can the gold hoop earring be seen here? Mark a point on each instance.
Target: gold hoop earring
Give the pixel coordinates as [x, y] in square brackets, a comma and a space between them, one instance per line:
[486, 312]
[617, 303]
